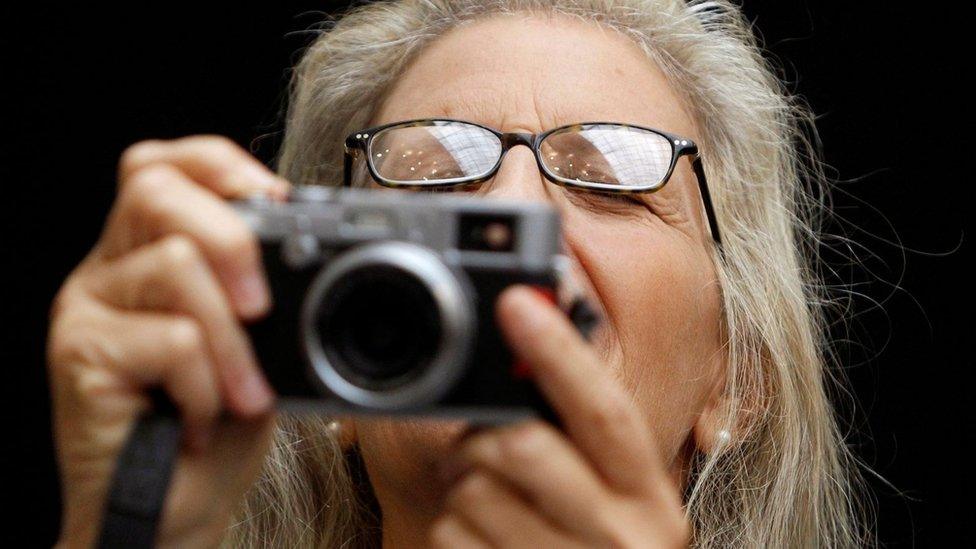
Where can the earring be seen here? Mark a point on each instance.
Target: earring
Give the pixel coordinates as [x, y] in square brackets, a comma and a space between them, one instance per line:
[724, 437]
[334, 426]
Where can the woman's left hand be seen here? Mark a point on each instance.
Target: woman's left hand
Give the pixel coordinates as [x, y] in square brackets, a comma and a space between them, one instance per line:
[602, 483]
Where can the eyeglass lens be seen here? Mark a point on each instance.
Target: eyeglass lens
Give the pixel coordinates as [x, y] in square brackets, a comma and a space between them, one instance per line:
[441, 151]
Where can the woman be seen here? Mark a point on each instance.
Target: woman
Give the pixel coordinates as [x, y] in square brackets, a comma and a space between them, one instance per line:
[698, 413]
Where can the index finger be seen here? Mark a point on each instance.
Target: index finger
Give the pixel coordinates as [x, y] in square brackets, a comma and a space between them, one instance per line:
[596, 410]
[159, 200]
[213, 161]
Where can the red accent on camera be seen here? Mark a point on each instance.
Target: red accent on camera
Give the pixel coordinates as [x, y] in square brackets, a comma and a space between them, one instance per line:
[546, 292]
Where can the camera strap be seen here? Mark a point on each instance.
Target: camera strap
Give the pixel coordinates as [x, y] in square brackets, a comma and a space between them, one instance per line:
[138, 487]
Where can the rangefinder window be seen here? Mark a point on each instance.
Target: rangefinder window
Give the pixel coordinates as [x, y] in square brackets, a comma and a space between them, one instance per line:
[487, 233]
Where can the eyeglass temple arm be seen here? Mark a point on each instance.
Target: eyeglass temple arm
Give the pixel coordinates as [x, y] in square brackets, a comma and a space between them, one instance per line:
[696, 165]
[350, 149]
[347, 168]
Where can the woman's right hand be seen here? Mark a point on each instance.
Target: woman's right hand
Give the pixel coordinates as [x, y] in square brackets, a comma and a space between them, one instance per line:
[159, 301]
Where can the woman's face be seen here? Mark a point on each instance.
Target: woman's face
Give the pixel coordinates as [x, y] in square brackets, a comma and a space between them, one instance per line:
[644, 264]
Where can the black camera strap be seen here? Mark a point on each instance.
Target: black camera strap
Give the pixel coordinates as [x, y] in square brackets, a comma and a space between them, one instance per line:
[138, 488]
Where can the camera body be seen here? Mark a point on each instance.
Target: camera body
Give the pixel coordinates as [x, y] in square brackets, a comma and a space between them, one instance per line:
[384, 302]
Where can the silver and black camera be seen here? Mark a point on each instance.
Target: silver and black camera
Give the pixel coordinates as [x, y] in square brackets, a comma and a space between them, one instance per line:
[384, 301]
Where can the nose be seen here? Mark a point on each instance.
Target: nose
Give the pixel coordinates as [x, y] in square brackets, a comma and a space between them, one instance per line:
[518, 177]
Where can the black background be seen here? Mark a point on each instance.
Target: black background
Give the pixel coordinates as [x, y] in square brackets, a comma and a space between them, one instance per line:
[888, 83]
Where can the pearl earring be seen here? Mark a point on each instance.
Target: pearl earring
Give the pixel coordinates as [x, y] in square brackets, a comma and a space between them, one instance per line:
[334, 426]
[724, 437]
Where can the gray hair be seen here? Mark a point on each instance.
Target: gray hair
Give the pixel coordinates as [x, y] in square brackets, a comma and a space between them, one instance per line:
[789, 480]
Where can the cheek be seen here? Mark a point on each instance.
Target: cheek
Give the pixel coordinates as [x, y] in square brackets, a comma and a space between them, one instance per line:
[662, 306]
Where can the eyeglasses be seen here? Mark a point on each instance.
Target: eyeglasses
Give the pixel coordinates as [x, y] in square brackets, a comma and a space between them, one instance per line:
[603, 157]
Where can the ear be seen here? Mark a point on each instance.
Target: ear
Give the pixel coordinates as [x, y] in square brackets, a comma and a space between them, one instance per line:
[344, 429]
[715, 429]
[718, 427]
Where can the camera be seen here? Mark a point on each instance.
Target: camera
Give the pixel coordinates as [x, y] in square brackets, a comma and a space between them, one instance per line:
[383, 302]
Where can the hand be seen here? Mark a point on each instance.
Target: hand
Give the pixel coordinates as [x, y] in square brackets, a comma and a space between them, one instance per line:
[601, 484]
[158, 301]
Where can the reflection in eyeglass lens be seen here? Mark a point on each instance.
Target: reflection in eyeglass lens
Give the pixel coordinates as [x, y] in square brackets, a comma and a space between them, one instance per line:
[434, 153]
[615, 155]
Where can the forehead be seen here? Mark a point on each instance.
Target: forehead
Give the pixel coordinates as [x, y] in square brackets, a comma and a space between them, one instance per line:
[531, 72]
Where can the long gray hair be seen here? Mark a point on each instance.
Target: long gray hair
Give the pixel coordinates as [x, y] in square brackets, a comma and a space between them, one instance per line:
[789, 479]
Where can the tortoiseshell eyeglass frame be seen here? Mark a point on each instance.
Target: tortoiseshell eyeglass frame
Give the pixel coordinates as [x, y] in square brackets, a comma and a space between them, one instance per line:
[359, 142]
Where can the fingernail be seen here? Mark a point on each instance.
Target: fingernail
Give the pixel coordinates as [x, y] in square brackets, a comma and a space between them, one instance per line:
[251, 294]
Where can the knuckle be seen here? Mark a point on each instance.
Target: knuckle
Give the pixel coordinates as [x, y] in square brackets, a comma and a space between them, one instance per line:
[138, 154]
[146, 187]
[65, 298]
[73, 338]
[469, 491]
[524, 442]
[151, 179]
[180, 253]
[86, 387]
[81, 361]
[65, 342]
[184, 339]
[212, 140]
[216, 148]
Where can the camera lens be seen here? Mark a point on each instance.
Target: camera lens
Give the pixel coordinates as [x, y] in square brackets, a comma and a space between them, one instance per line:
[388, 326]
[379, 326]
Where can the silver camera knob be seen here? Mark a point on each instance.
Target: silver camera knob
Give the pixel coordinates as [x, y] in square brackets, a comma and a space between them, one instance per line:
[300, 250]
[313, 193]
